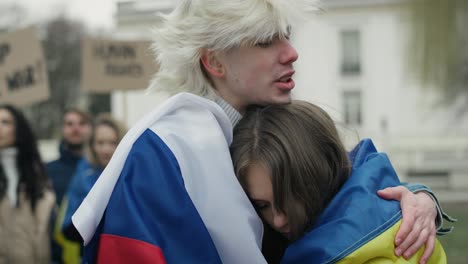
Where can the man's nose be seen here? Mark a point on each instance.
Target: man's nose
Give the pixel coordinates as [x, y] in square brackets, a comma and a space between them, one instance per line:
[289, 53]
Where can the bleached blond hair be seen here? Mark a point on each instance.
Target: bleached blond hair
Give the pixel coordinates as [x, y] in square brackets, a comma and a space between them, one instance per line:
[217, 25]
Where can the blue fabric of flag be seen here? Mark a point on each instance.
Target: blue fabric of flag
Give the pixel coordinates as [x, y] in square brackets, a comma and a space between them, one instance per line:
[150, 204]
[355, 215]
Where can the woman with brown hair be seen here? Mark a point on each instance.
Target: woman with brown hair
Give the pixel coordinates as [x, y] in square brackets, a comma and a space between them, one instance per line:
[105, 136]
[26, 197]
[293, 166]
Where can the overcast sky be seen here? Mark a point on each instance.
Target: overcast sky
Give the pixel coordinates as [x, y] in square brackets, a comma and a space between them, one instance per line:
[94, 13]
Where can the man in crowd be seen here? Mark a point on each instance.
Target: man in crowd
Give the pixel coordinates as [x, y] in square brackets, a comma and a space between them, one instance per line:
[76, 127]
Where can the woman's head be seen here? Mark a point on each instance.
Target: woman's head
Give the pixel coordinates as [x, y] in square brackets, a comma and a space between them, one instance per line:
[105, 137]
[197, 27]
[291, 162]
[7, 128]
[16, 129]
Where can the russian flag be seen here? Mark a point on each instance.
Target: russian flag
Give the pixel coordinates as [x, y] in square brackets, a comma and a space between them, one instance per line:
[169, 194]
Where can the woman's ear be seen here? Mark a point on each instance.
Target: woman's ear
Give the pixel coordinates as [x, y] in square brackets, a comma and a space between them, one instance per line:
[211, 63]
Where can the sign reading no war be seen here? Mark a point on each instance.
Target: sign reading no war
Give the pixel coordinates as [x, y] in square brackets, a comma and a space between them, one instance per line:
[23, 73]
[109, 65]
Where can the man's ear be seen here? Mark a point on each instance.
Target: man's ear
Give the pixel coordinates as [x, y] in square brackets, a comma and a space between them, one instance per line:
[211, 63]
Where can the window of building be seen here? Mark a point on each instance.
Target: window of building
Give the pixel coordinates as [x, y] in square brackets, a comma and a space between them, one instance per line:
[352, 107]
[351, 52]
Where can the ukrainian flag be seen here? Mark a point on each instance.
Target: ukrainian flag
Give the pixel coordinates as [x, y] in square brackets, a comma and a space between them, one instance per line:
[358, 226]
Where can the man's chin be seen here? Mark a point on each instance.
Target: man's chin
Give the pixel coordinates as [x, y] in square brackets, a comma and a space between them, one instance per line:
[74, 146]
[283, 99]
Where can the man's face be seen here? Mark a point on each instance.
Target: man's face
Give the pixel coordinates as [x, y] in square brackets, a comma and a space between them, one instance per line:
[261, 74]
[75, 128]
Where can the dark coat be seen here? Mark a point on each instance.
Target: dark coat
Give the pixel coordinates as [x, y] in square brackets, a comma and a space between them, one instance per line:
[61, 171]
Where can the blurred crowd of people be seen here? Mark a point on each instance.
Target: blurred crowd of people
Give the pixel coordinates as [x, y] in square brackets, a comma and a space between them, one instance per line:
[37, 199]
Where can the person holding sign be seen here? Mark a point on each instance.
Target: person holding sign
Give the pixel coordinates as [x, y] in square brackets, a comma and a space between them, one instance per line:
[26, 197]
[171, 178]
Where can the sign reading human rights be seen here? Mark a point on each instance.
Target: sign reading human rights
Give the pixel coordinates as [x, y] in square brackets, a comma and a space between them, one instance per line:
[23, 73]
[109, 65]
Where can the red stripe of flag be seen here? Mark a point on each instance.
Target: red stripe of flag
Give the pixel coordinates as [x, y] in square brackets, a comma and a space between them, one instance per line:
[119, 250]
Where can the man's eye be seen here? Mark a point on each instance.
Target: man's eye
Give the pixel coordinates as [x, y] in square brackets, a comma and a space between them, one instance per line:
[265, 44]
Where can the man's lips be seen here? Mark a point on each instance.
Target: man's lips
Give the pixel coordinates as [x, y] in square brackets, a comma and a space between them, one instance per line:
[286, 76]
[285, 86]
[285, 82]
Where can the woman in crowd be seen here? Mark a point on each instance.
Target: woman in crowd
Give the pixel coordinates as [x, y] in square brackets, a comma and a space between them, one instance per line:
[26, 198]
[105, 136]
[294, 168]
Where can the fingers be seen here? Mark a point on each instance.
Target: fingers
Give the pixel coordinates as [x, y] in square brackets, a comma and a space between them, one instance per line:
[407, 240]
[393, 193]
[408, 224]
[417, 227]
[429, 249]
[420, 241]
[402, 234]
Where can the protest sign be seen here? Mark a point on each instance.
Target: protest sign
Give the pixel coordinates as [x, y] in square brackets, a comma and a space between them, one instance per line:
[23, 73]
[109, 65]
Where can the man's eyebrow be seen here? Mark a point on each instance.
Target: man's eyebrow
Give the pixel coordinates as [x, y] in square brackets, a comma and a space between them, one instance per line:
[285, 34]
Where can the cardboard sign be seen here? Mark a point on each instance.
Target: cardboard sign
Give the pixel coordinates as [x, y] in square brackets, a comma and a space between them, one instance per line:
[23, 73]
[109, 65]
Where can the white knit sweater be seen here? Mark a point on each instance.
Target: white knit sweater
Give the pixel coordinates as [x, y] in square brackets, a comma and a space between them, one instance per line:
[8, 162]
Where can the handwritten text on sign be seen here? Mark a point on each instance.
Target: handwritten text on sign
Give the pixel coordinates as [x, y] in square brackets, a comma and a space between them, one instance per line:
[110, 65]
[23, 75]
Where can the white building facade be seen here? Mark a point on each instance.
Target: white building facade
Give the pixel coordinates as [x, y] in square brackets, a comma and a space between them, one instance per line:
[353, 62]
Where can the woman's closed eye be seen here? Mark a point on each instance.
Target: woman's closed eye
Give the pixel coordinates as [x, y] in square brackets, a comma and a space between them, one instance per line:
[261, 205]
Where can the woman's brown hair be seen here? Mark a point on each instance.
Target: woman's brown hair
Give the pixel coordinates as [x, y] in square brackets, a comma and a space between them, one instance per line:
[300, 145]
